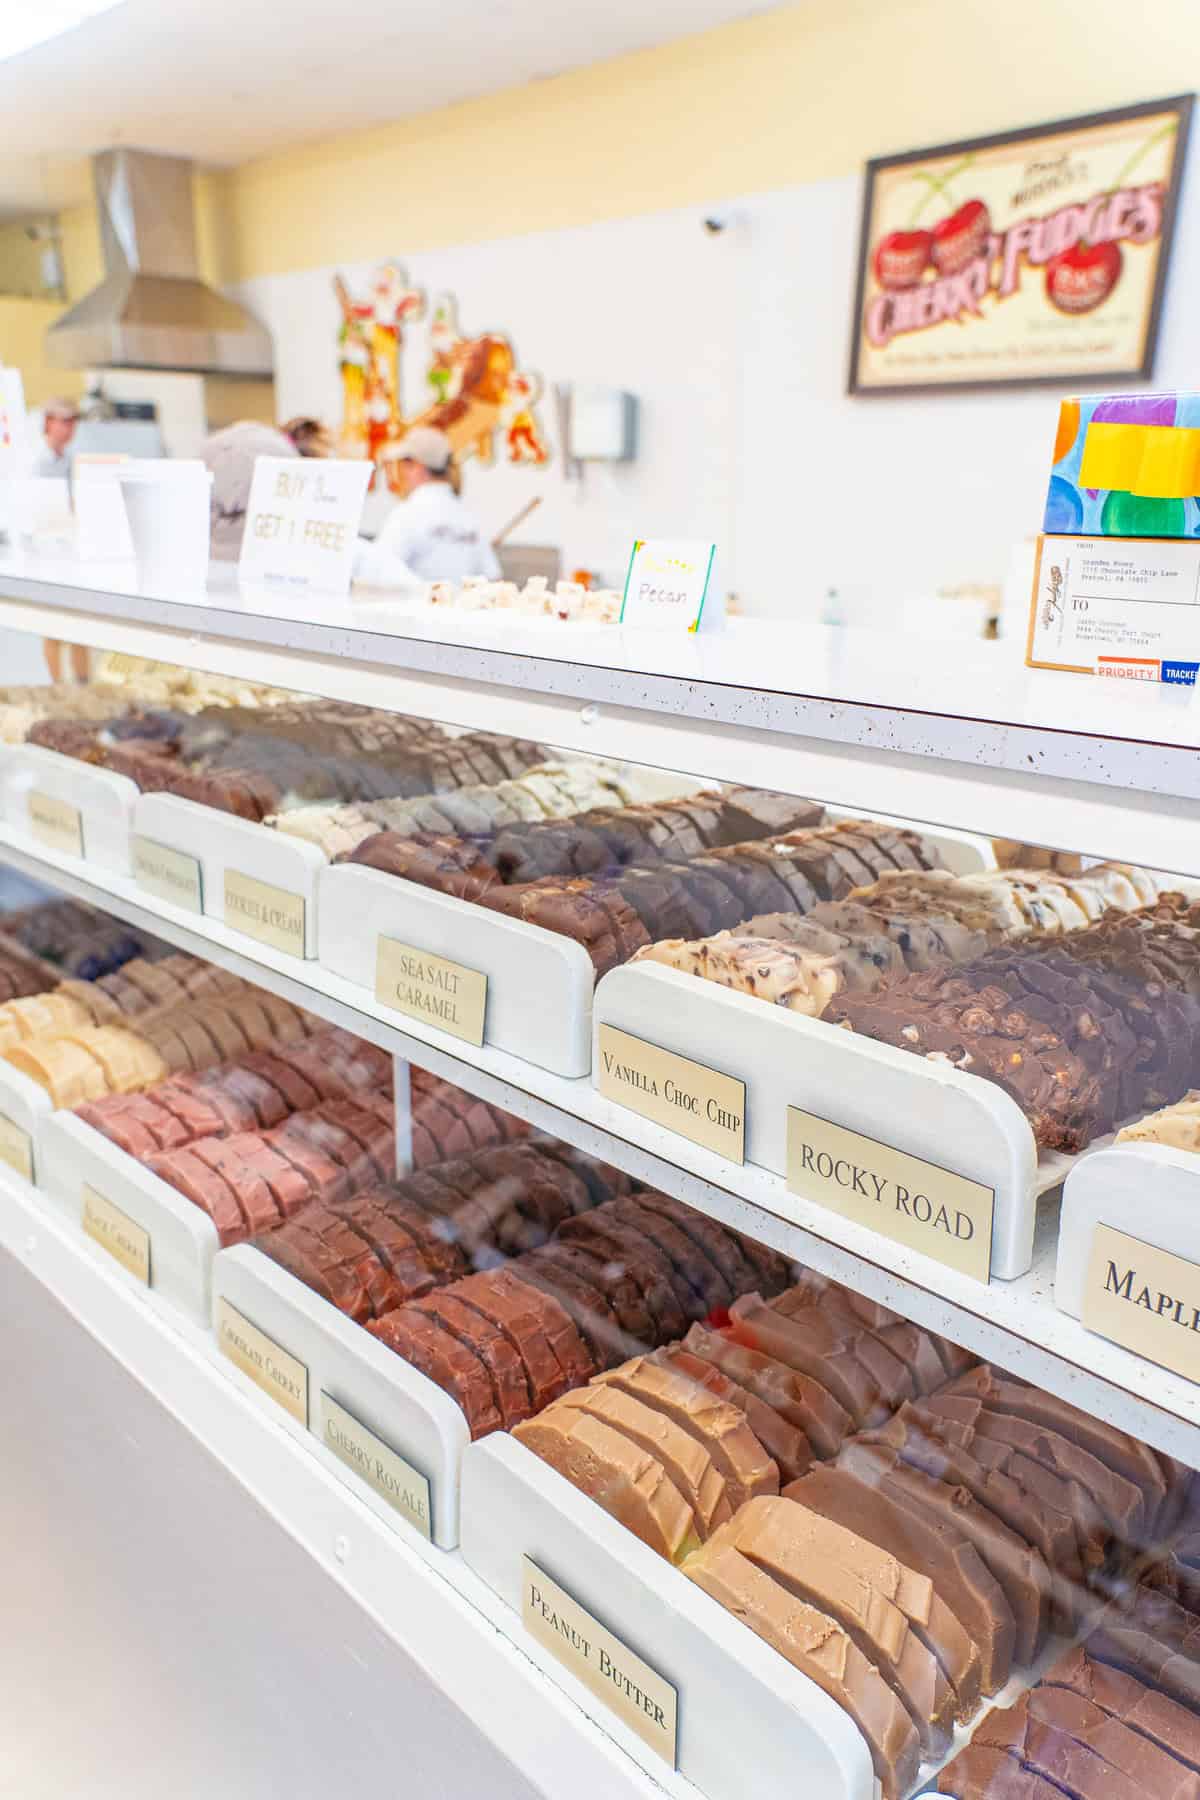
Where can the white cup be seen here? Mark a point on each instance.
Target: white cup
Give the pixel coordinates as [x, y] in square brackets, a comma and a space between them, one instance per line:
[168, 506]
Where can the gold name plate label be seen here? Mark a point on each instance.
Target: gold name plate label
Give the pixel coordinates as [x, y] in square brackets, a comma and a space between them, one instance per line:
[635, 1692]
[697, 1102]
[16, 1148]
[1144, 1299]
[393, 1479]
[56, 824]
[168, 874]
[271, 914]
[431, 989]
[261, 1358]
[913, 1202]
[117, 1233]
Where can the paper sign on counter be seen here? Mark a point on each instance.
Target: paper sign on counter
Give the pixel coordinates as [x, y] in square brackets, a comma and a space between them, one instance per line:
[117, 1233]
[668, 585]
[1145, 1299]
[431, 989]
[635, 1692]
[168, 874]
[16, 1148]
[56, 824]
[697, 1102]
[381, 1467]
[301, 522]
[271, 914]
[913, 1202]
[259, 1357]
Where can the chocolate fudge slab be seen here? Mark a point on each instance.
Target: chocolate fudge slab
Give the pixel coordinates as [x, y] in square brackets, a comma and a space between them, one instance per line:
[1126, 1699]
[784, 1443]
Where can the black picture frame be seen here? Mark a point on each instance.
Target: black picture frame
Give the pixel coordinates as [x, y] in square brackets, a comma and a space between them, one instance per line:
[1181, 104]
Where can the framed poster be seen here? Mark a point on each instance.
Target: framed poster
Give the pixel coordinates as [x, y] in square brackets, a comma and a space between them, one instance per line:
[1036, 255]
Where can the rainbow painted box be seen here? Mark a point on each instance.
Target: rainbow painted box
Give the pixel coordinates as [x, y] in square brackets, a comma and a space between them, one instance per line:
[1126, 465]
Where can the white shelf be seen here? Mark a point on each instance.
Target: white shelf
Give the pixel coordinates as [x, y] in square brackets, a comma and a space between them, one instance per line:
[1015, 1324]
[402, 1610]
[887, 722]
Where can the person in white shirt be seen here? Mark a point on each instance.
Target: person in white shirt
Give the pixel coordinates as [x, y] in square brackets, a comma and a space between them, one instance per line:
[59, 419]
[432, 535]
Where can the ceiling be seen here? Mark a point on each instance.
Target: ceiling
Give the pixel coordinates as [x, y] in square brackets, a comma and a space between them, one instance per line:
[226, 80]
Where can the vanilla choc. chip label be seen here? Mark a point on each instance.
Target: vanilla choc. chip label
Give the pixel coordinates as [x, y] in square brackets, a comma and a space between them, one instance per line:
[431, 989]
[168, 874]
[55, 823]
[913, 1202]
[271, 914]
[635, 1692]
[116, 1232]
[1145, 1299]
[698, 1102]
[261, 1358]
[16, 1148]
[381, 1467]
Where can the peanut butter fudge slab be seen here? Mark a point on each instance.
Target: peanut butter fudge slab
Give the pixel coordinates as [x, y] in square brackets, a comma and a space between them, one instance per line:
[1018, 1568]
[820, 1649]
[682, 1456]
[960, 1579]
[784, 1443]
[803, 1401]
[725, 1434]
[826, 1566]
[625, 1480]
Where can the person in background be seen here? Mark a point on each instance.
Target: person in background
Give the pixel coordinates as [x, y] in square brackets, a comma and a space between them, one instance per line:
[231, 455]
[59, 419]
[432, 535]
[309, 436]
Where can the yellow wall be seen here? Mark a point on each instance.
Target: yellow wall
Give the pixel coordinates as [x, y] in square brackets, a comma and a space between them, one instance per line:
[801, 94]
[23, 327]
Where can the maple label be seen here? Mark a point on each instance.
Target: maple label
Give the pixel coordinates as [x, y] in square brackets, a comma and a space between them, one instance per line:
[1145, 1299]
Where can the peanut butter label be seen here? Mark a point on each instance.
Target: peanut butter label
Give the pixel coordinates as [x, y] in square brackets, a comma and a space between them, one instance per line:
[629, 1687]
[117, 1233]
[697, 1102]
[53, 823]
[431, 989]
[393, 1479]
[168, 874]
[915, 1203]
[270, 914]
[16, 1148]
[1144, 1299]
[261, 1358]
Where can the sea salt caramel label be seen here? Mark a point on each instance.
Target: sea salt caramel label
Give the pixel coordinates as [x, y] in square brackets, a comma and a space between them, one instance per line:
[381, 1467]
[56, 824]
[698, 1102]
[270, 914]
[261, 1358]
[16, 1148]
[431, 989]
[629, 1687]
[117, 1233]
[168, 874]
[1145, 1299]
[915, 1203]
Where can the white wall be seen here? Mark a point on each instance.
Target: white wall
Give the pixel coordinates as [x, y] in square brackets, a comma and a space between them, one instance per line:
[737, 347]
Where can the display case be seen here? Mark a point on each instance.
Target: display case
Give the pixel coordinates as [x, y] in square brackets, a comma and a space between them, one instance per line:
[673, 1196]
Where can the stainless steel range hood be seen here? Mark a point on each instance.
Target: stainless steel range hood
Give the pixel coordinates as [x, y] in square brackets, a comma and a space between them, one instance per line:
[152, 311]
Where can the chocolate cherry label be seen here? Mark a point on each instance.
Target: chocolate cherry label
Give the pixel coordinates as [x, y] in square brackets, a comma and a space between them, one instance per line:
[118, 1234]
[1145, 1299]
[271, 914]
[913, 1202]
[698, 1102]
[381, 1467]
[429, 988]
[629, 1687]
[261, 1358]
[16, 1148]
[168, 874]
[56, 824]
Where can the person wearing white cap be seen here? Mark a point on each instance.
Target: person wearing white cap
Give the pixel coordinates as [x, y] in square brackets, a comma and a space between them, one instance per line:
[432, 535]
